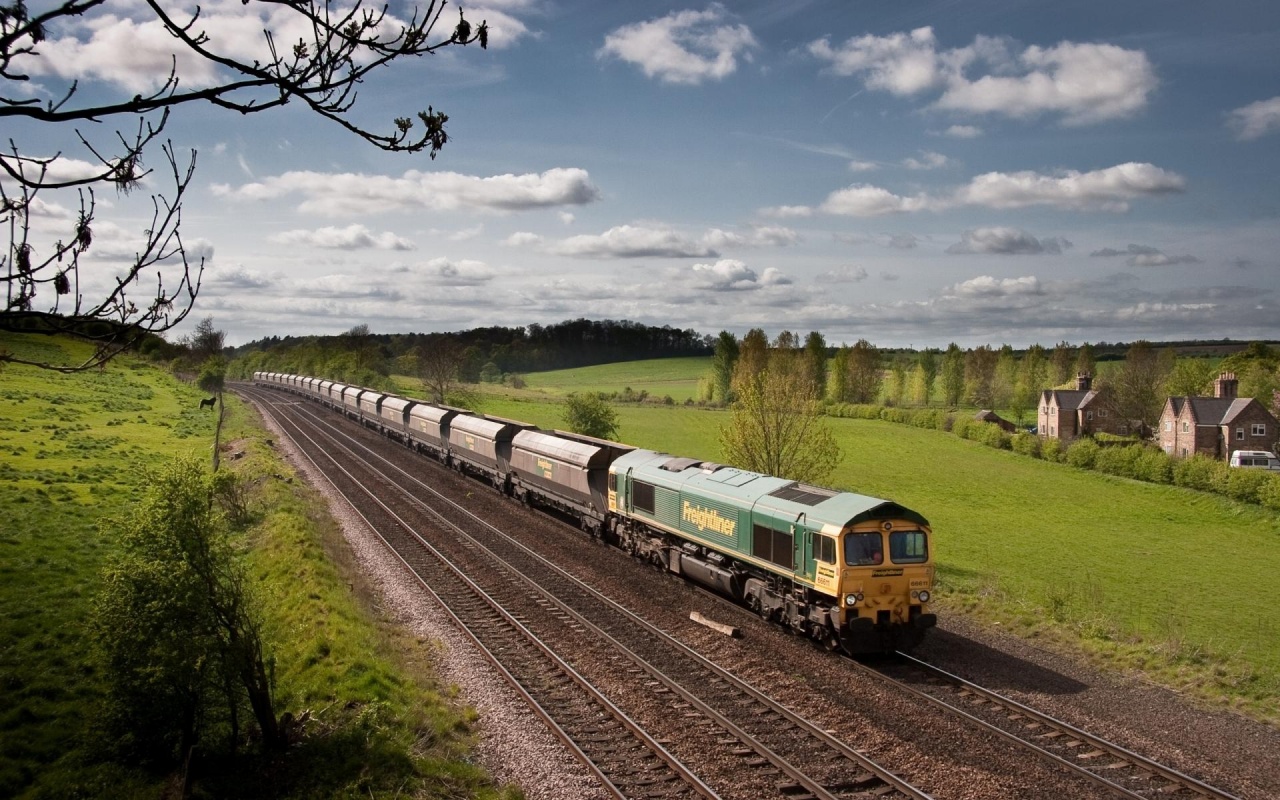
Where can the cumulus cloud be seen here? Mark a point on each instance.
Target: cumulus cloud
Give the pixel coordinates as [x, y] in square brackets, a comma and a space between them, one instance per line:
[350, 193]
[732, 275]
[132, 50]
[842, 275]
[684, 47]
[898, 241]
[1256, 119]
[927, 160]
[1140, 255]
[1109, 189]
[1082, 82]
[865, 200]
[238, 277]
[639, 241]
[963, 132]
[785, 212]
[989, 287]
[1006, 241]
[352, 237]
[446, 272]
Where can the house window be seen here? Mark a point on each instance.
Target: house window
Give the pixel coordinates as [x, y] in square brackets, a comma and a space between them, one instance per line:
[1102, 412]
[1184, 452]
[1088, 415]
[1168, 425]
[1042, 430]
[1186, 426]
[1051, 431]
[1259, 429]
[1239, 434]
[1124, 430]
[1053, 412]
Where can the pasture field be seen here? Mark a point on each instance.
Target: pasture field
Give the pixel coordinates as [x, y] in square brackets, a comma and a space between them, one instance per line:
[1167, 582]
[660, 377]
[73, 455]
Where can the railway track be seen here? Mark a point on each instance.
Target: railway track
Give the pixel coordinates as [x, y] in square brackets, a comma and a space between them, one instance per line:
[1122, 771]
[578, 657]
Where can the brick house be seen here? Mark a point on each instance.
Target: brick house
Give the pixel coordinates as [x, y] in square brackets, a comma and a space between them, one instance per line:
[1216, 426]
[1067, 414]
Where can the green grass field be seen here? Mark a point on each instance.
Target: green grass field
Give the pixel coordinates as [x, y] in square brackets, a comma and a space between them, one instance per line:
[676, 378]
[1166, 581]
[73, 449]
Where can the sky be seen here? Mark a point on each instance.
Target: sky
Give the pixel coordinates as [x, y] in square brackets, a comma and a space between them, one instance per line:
[910, 173]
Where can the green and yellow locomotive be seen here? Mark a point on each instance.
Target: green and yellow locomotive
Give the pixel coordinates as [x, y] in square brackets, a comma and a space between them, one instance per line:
[851, 571]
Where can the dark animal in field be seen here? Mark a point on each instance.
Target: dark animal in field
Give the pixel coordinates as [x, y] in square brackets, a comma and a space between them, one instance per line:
[209, 403]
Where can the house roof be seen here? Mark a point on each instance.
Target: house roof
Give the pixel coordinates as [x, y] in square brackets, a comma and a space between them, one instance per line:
[1212, 410]
[1070, 398]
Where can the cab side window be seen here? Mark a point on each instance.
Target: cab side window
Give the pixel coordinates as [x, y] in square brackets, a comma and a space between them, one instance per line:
[824, 549]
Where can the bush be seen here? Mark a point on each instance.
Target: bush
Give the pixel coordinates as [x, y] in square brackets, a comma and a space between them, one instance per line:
[1083, 453]
[1027, 444]
[1051, 450]
[1269, 492]
[1120, 461]
[1245, 485]
[1200, 473]
[1155, 466]
[991, 435]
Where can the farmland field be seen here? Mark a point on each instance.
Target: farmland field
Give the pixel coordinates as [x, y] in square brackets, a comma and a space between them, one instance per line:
[676, 378]
[1158, 579]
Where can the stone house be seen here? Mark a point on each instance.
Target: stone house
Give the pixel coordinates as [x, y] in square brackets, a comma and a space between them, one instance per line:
[1068, 414]
[1216, 426]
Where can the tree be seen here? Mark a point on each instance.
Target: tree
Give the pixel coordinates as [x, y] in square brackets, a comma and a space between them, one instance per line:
[815, 354]
[863, 372]
[953, 375]
[775, 428]
[1136, 388]
[439, 362]
[341, 48]
[753, 355]
[1062, 360]
[927, 363]
[898, 379]
[722, 364]
[980, 375]
[1086, 361]
[212, 378]
[587, 413]
[1033, 372]
[1190, 377]
[176, 637]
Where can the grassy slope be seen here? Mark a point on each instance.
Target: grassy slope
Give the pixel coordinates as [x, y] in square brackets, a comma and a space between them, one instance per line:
[71, 450]
[1156, 578]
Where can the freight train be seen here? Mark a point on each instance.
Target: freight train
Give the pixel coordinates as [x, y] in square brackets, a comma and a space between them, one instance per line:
[851, 571]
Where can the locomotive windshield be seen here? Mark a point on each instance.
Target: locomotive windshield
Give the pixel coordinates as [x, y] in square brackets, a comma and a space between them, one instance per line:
[908, 547]
[863, 549]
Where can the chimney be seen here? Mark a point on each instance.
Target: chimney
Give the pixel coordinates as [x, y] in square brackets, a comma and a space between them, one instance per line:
[1084, 381]
[1226, 386]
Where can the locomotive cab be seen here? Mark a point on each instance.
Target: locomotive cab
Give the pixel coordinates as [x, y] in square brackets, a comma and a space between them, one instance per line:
[885, 584]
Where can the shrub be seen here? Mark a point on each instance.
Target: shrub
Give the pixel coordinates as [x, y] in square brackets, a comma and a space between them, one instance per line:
[1269, 492]
[1051, 450]
[991, 435]
[960, 426]
[1199, 472]
[1242, 484]
[1121, 461]
[1155, 466]
[1026, 444]
[1083, 453]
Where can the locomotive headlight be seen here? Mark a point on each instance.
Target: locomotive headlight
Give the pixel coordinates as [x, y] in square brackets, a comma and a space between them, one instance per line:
[850, 599]
[924, 595]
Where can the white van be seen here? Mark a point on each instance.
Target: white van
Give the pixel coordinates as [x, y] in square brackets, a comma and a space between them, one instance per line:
[1255, 459]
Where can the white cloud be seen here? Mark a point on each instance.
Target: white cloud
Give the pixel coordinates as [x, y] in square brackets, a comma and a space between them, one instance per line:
[628, 241]
[352, 237]
[927, 160]
[963, 131]
[989, 287]
[759, 236]
[862, 166]
[1141, 255]
[1256, 119]
[455, 273]
[349, 193]
[864, 200]
[785, 212]
[732, 275]
[1082, 82]
[137, 53]
[686, 47]
[842, 275]
[1108, 189]
[1006, 241]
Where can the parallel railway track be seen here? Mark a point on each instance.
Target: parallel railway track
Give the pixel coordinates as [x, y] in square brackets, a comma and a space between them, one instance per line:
[548, 630]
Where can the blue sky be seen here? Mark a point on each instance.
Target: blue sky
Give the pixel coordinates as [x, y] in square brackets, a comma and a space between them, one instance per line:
[909, 173]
